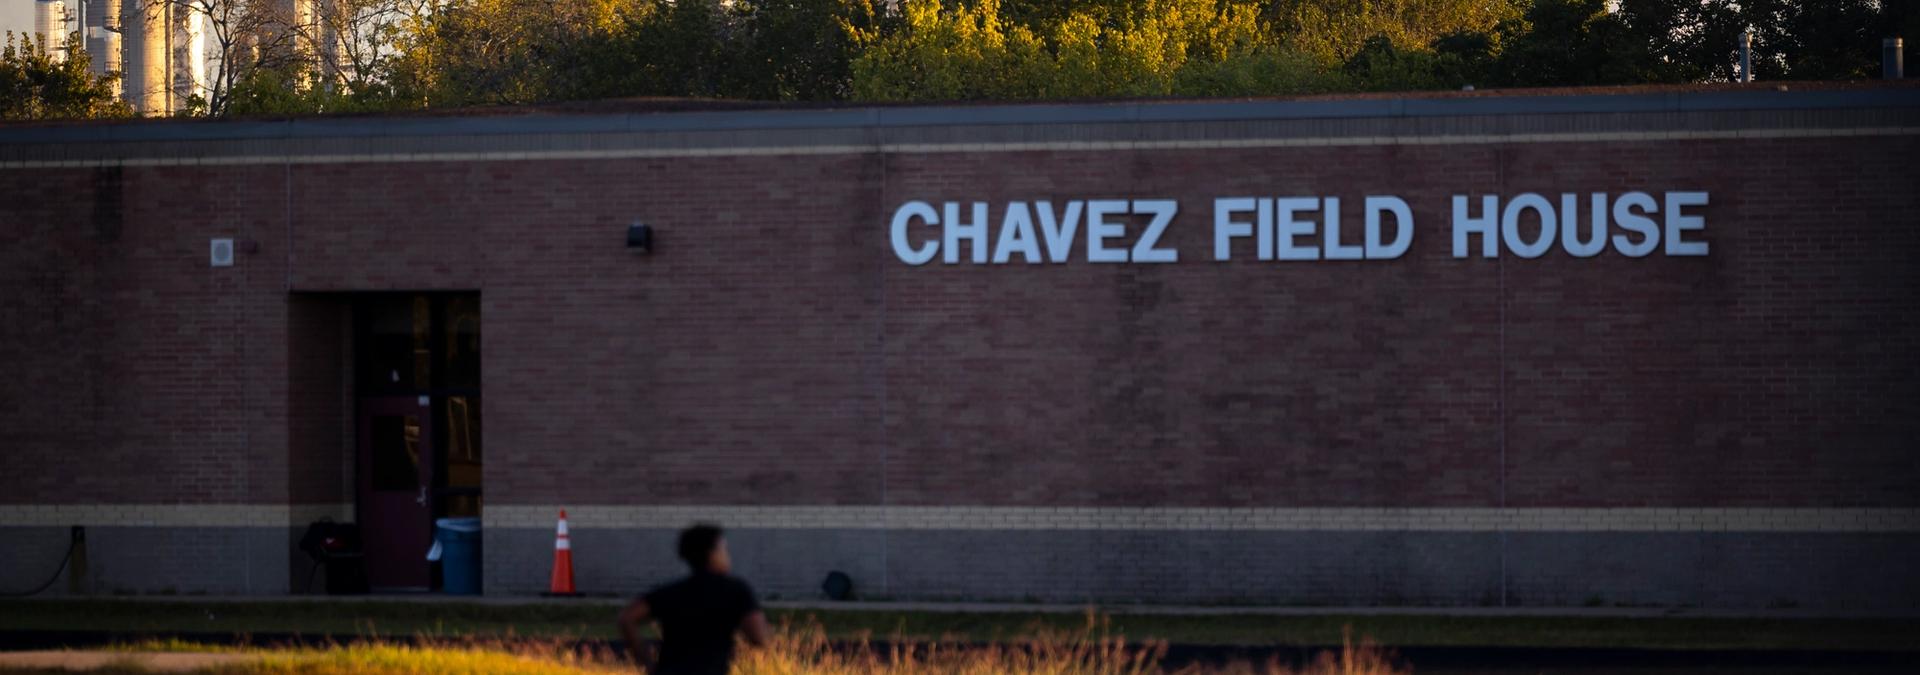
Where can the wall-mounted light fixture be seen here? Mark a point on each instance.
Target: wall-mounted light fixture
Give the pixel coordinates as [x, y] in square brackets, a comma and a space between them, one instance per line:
[640, 237]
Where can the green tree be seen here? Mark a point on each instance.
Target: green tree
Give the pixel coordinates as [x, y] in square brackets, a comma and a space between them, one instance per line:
[1381, 66]
[1451, 62]
[1564, 43]
[297, 89]
[1336, 30]
[36, 85]
[1148, 48]
[265, 92]
[350, 48]
[1826, 39]
[967, 52]
[1042, 16]
[1792, 39]
[801, 49]
[1266, 70]
[1693, 39]
[660, 48]
[493, 52]
[1143, 53]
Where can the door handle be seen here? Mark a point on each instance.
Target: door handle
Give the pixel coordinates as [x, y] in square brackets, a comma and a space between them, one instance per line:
[422, 499]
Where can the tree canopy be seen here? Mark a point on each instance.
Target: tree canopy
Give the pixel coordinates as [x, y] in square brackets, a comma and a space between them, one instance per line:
[36, 85]
[402, 54]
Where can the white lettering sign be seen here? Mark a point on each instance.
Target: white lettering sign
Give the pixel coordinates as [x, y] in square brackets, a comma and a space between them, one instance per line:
[1298, 228]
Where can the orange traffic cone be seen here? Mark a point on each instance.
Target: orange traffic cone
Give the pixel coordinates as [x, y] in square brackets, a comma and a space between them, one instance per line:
[562, 583]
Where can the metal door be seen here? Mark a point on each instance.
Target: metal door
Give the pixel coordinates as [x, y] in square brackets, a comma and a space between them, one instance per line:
[395, 484]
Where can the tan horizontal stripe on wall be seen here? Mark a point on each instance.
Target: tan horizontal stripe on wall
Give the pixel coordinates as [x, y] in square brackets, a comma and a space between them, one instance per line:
[925, 148]
[1302, 519]
[170, 515]
[1021, 518]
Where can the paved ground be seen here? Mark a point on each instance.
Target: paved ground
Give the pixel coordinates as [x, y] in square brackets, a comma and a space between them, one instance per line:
[159, 662]
[1173, 610]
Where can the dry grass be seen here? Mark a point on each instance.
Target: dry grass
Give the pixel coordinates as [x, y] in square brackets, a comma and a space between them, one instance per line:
[391, 659]
[1094, 649]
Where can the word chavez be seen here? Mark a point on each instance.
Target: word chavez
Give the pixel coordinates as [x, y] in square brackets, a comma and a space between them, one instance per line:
[1633, 224]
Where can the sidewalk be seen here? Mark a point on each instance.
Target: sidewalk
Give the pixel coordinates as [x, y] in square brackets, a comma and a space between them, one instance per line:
[156, 662]
[1061, 608]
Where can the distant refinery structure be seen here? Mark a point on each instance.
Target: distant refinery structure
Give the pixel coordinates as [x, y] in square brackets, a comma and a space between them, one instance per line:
[50, 26]
[158, 47]
[161, 50]
[163, 54]
[101, 21]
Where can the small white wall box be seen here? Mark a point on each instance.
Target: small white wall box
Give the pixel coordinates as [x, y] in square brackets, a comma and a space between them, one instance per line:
[222, 253]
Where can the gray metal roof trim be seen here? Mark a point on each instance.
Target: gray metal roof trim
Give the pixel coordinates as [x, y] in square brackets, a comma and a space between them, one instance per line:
[539, 123]
[746, 120]
[992, 114]
[987, 115]
[1542, 105]
[141, 132]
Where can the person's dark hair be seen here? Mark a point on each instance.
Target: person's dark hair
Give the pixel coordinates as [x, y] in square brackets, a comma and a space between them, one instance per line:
[697, 544]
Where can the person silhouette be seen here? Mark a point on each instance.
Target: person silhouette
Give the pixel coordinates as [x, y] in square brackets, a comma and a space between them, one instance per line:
[698, 615]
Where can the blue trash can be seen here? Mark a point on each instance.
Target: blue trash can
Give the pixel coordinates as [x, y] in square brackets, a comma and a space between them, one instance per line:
[459, 542]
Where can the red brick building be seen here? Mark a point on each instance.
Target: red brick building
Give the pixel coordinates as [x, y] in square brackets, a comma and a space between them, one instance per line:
[1716, 402]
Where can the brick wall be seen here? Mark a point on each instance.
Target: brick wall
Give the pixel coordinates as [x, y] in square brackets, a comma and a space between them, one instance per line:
[319, 395]
[771, 348]
[772, 351]
[138, 374]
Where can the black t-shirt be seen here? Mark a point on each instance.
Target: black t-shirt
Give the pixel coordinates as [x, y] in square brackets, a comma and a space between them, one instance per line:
[698, 616]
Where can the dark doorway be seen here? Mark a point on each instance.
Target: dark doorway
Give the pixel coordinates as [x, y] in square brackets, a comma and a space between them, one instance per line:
[417, 384]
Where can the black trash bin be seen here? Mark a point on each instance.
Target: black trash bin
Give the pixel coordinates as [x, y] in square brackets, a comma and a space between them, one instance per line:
[337, 547]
